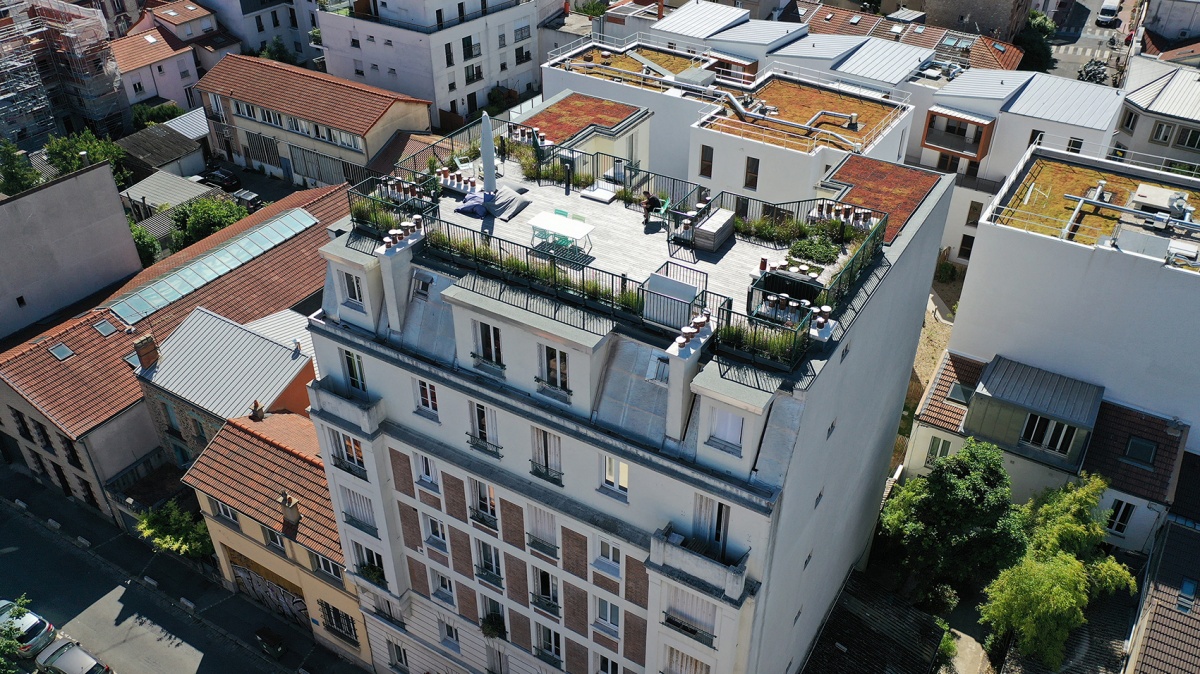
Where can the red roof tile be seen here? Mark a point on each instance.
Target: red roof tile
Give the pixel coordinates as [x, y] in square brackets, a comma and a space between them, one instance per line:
[894, 189]
[936, 410]
[562, 120]
[247, 465]
[1171, 638]
[146, 48]
[300, 92]
[94, 384]
[985, 54]
[929, 36]
[1115, 425]
[178, 13]
[835, 20]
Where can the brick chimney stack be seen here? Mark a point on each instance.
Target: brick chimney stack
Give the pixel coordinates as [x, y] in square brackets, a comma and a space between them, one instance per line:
[290, 506]
[147, 351]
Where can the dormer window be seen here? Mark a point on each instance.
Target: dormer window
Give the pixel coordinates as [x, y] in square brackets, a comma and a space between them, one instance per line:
[422, 282]
[1048, 434]
[1187, 595]
[959, 394]
[352, 287]
[1141, 451]
[726, 430]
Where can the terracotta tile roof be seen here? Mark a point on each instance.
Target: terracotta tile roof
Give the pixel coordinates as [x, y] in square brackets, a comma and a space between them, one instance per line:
[1171, 638]
[146, 48]
[1115, 425]
[936, 410]
[834, 20]
[249, 462]
[83, 391]
[1166, 49]
[929, 37]
[1187, 491]
[562, 120]
[401, 145]
[307, 94]
[986, 55]
[894, 189]
[177, 13]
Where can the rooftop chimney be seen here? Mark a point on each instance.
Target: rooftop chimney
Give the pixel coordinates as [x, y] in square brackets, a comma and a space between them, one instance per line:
[660, 9]
[257, 413]
[290, 506]
[147, 351]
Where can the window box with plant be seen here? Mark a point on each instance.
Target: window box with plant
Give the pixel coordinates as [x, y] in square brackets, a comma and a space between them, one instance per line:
[493, 626]
[373, 574]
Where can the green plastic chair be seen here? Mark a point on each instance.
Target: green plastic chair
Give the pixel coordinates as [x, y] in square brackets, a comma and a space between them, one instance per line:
[539, 233]
[580, 218]
[564, 241]
[559, 211]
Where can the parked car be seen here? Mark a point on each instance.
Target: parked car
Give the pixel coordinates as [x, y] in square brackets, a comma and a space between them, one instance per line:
[69, 657]
[222, 178]
[1108, 14]
[36, 631]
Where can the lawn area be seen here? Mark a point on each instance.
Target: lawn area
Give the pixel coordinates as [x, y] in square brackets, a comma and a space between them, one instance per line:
[673, 62]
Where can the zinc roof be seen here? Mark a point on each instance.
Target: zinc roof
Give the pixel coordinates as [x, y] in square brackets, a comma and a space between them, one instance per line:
[883, 61]
[821, 46]
[1074, 102]
[1176, 94]
[285, 327]
[162, 188]
[1069, 400]
[701, 19]
[758, 32]
[991, 84]
[222, 366]
[158, 145]
[193, 124]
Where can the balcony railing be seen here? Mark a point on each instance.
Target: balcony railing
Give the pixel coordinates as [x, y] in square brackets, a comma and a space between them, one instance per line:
[555, 391]
[485, 518]
[543, 546]
[951, 141]
[474, 75]
[977, 183]
[429, 29]
[489, 576]
[487, 365]
[545, 603]
[393, 620]
[548, 657]
[687, 628]
[350, 467]
[372, 574]
[482, 445]
[545, 472]
[524, 57]
[520, 34]
[472, 51]
[361, 525]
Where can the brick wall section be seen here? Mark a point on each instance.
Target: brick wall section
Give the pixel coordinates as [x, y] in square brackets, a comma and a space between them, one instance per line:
[402, 472]
[430, 500]
[635, 638]
[460, 552]
[518, 630]
[574, 553]
[637, 582]
[410, 525]
[575, 607]
[467, 606]
[456, 497]
[577, 656]
[438, 557]
[604, 641]
[516, 580]
[605, 583]
[512, 522]
[418, 577]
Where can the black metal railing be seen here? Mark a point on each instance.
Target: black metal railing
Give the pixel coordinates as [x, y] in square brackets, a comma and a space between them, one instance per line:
[521, 33]
[429, 29]
[473, 75]
[541, 470]
[387, 617]
[687, 628]
[361, 525]
[350, 467]
[762, 342]
[485, 518]
[543, 546]
[487, 364]
[544, 603]
[472, 51]
[548, 657]
[553, 390]
[481, 444]
[524, 56]
[489, 575]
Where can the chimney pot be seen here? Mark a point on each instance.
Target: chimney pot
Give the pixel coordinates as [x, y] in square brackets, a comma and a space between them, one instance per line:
[290, 507]
[257, 412]
[147, 351]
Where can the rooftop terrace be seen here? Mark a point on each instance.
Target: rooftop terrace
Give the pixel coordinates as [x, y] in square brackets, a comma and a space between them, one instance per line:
[1092, 202]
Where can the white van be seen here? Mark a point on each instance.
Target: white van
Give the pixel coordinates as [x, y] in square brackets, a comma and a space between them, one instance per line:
[1108, 13]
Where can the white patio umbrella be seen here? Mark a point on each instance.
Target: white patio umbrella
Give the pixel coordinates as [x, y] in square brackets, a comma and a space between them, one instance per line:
[487, 154]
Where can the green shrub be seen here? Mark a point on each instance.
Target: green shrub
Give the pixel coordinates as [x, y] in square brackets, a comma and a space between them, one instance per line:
[592, 8]
[628, 197]
[946, 272]
[582, 180]
[942, 599]
[631, 301]
[733, 336]
[432, 163]
[595, 290]
[515, 265]
[817, 249]
[948, 648]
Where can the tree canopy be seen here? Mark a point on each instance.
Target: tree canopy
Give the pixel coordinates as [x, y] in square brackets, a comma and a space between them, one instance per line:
[958, 524]
[201, 217]
[277, 51]
[170, 527]
[1033, 40]
[16, 173]
[9, 646]
[1042, 599]
[147, 246]
[63, 154]
[147, 115]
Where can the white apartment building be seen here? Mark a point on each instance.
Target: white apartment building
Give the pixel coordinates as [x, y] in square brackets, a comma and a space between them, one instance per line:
[1041, 364]
[1160, 123]
[452, 53]
[1173, 19]
[258, 22]
[535, 474]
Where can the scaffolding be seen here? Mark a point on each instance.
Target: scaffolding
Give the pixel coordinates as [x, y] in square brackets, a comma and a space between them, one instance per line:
[26, 117]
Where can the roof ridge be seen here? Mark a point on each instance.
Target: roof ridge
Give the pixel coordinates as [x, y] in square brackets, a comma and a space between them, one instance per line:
[240, 326]
[316, 462]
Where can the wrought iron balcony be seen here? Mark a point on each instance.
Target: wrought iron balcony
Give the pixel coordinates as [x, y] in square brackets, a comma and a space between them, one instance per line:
[548, 657]
[560, 393]
[350, 467]
[485, 518]
[360, 524]
[472, 51]
[544, 603]
[487, 365]
[489, 448]
[543, 546]
[545, 472]
[488, 575]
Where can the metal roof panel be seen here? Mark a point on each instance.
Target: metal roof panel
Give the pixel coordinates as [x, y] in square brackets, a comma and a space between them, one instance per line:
[1043, 392]
[701, 19]
[1068, 101]
[884, 61]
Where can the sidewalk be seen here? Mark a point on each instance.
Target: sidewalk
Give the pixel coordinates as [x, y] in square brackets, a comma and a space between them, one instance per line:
[232, 615]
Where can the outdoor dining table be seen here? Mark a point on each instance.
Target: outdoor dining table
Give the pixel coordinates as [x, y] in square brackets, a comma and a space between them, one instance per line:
[558, 226]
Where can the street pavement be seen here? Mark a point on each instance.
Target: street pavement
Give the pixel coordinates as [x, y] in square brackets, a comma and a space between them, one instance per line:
[140, 611]
[1080, 40]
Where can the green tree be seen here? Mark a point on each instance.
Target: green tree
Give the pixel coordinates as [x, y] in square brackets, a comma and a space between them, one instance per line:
[276, 51]
[16, 173]
[170, 527]
[958, 524]
[1043, 24]
[147, 115]
[1043, 598]
[63, 154]
[9, 646]
[1033, 40]
[201, 217]
[147, 246]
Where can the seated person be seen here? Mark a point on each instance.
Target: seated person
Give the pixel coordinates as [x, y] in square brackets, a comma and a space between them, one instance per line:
[650, 203]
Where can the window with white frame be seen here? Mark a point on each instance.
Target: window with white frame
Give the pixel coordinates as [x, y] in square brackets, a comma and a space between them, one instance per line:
[710, 522]
[338, 621]
[548, 644]
[679, 662]
[553, 369]
[547, 455]
[435, 533]
[545, 590]
[938, 448]
[1118, 520]
[300, 126]
[483, 502]
[427, 403]
[223, 510]
[347, 449]
[543, 531]
[726, 428]
[323, 564]
[449, 633]
[356, 378]
[366, 556]
[357, 509]
[1047, 434]
[1189, 138]
[691, 614]
[1162, 133]
[1129, 120]
[488, 563]
[397, 656]
[608, 614]
[483, 427]
[352, 287]
[427, 474]
[606, 665]
[443, 587]
[273, 539]
[616, 475]
[487, 344]
[270, 117]
[609, 559]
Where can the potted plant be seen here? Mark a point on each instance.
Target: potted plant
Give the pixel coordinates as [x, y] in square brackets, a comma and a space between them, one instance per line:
[492, 626]
[373, 573]
[629, 304]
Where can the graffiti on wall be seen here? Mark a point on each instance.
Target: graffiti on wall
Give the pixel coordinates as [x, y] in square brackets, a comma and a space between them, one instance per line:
[290, 605]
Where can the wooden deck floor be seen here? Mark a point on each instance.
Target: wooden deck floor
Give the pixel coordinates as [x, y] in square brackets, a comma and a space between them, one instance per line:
[621, 244]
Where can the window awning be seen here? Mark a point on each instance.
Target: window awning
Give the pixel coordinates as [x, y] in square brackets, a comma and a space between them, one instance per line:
[972, 117]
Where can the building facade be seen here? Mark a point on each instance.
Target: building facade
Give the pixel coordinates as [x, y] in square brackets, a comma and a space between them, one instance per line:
[155, 67]
[257, 23]
[1160, 122]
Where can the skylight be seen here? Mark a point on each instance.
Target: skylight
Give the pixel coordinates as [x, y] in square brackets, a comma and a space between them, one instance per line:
[151, 39]
[919, 28]
[959, 393]
[171, 12]
[999, 47]
[132, 359]
[855, 19]
[104, 327]
[950, 41]
[209, 267]
[61, 351]
[897, 29]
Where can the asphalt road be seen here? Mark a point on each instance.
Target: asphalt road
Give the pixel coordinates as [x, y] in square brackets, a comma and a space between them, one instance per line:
[119, 621]
[1080, 40]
